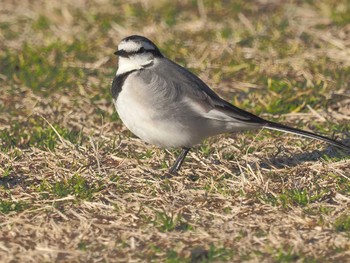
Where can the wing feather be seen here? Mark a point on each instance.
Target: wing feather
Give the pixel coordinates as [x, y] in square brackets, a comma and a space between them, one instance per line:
[189, 85]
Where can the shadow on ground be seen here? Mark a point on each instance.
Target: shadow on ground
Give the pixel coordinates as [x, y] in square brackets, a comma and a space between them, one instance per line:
[285, 158]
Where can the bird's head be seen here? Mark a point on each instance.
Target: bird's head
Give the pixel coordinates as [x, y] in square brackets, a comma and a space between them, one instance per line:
[135, 52]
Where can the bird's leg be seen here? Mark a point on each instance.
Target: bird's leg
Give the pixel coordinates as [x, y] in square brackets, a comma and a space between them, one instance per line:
[177, 165]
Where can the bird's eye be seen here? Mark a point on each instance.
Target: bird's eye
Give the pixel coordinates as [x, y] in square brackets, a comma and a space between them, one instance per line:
[142, 49]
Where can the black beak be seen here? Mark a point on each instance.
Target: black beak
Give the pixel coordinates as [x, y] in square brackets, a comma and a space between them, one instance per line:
[121, 53]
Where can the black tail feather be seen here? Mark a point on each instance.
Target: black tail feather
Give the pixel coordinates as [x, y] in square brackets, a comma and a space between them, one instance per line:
[284, 128]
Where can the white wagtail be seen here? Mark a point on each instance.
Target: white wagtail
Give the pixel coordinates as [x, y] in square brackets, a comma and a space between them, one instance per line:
[166, 105]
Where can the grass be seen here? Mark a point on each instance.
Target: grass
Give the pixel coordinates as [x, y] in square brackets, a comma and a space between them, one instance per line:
[12, 206]
[342, 224]
[76, 185]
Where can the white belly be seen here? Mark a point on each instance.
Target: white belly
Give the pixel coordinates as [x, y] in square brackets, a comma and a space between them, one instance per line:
[140, 117]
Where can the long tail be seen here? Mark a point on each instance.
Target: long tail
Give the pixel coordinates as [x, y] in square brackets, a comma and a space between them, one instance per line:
[284, 128]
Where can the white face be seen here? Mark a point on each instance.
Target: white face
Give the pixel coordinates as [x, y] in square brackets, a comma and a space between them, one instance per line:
[136, 60]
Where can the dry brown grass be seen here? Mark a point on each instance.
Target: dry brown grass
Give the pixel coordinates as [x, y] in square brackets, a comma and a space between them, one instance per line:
[75, 186]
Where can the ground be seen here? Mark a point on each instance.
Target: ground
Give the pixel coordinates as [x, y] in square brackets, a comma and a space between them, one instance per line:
[77, 186]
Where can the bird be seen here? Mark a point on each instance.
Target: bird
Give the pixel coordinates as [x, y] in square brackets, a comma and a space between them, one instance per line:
[166, 105]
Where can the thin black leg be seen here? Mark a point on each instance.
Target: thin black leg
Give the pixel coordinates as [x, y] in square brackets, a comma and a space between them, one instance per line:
[177, 165]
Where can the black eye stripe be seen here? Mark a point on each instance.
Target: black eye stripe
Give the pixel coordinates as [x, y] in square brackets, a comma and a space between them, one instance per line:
[123, 53]
[141, 50]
